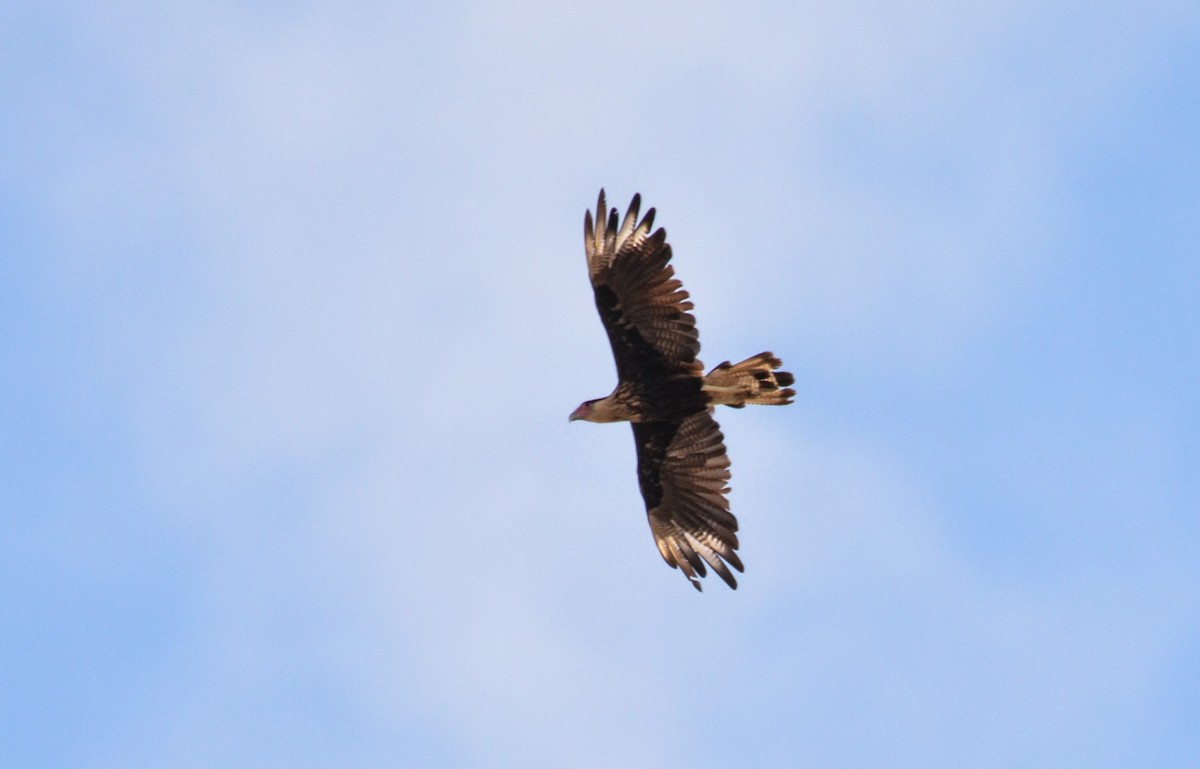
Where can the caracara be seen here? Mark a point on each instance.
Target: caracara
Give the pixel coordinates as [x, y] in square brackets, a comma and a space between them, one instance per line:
[664, 393]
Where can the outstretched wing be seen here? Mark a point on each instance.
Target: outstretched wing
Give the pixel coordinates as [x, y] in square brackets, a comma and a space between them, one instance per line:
[642, 305]
[683, 472]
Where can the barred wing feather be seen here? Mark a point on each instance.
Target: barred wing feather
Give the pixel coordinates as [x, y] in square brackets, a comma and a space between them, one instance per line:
[683, 472]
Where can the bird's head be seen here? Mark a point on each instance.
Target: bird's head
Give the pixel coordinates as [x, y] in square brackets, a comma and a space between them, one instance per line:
[582, 412]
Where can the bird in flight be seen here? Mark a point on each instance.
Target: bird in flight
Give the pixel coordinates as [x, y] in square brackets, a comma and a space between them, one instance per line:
[663, 392]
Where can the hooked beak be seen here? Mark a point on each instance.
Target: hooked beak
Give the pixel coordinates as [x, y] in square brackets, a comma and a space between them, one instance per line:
[577, 413]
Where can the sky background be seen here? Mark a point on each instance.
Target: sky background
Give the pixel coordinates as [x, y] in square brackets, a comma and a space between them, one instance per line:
[295, 309]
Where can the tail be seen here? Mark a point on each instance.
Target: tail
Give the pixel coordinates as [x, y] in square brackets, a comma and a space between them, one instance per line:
[754, 380]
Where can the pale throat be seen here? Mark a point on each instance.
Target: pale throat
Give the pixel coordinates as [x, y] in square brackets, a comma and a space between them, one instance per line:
[608, 409]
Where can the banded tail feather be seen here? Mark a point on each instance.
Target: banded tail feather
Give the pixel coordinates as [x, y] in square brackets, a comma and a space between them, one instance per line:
[756, 381]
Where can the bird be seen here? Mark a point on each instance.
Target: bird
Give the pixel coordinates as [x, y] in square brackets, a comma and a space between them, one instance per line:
[663, 392]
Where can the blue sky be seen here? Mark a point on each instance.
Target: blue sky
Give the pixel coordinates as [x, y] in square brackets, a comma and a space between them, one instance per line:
[297, 309]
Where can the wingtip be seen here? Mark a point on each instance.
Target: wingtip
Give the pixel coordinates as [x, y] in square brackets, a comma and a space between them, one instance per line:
[631, 213]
